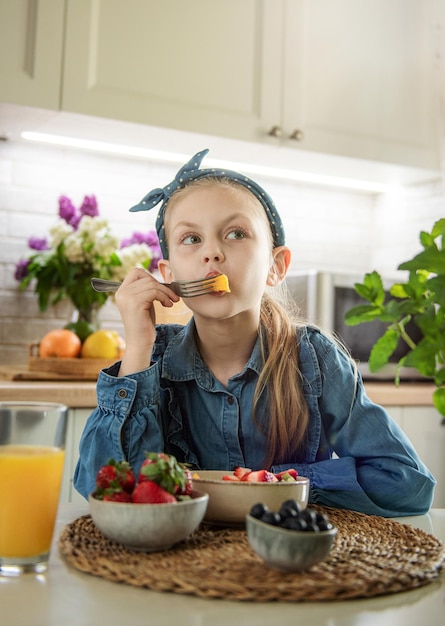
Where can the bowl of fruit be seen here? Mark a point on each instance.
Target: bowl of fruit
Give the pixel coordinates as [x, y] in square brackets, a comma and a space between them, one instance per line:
[149, 513]
[290, 539]
[232, 494]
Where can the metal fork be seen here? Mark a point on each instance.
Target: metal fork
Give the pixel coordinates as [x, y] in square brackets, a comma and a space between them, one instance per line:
[182, 288]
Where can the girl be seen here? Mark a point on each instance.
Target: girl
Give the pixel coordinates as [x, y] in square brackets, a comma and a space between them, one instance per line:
[241, 384]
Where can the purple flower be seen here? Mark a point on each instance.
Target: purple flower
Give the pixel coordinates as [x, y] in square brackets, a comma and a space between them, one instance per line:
[37, 243]
[21, 269]
[135, 238]
[156, 256]
[75, 221]
[89, 206]
[67, 210]
[151, 239]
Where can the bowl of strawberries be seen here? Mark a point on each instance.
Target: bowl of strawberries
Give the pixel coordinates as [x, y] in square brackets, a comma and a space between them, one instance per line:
[149, 512]
[232, 494]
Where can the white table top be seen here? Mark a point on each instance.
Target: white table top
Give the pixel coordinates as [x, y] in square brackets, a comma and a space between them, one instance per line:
[67, 596]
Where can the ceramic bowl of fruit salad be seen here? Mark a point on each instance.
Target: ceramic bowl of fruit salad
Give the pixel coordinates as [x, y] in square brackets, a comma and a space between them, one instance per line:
[149, 512]
[232, 494]
[289, 539]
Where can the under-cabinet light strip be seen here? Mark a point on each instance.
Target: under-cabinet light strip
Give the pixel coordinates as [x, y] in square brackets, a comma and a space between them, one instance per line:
[173, 157]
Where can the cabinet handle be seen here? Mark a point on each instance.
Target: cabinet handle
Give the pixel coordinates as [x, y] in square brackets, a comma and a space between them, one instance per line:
[297, 135]
[275, 131]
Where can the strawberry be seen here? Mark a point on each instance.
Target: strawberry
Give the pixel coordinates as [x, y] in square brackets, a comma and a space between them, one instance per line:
[116, 496]
[239, 472]
[165, 470]
[149, 492]
[260, 476]
[187, 490]
[287, 475]
[106, 476]
[115, 474]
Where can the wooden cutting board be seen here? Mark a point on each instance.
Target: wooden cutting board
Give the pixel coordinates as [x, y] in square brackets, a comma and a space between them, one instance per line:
[23, 373]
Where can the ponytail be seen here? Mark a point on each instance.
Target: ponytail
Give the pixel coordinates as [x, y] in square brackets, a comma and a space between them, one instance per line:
[286, 424]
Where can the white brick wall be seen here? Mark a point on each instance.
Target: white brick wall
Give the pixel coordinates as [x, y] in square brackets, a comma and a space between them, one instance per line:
[326, 229]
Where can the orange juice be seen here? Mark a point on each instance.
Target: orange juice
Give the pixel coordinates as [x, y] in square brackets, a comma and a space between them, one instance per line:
[30, 479]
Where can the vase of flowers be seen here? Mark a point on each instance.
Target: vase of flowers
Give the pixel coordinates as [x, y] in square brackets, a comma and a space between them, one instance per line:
[79, 246]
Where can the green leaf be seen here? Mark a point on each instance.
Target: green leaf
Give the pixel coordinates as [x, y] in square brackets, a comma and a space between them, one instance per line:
[423, 358]
[372, 288]
[439, 378]
[383, 349]
[430, 259]
[398, 290]
[438, 229]
[362, 313]
[426, 239]
[439, 400]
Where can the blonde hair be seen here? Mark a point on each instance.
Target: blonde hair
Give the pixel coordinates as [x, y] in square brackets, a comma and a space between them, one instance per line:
[285, 423]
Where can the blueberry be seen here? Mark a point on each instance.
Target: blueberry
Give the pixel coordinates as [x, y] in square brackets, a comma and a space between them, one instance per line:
[309, 515]
[312, 527]
[271, 517]
[293, 504]
[258, 510]
[287, 510]
[292, 523]
[321, 518]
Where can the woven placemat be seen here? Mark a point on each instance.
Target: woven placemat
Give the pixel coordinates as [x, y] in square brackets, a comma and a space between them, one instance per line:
[371, 556]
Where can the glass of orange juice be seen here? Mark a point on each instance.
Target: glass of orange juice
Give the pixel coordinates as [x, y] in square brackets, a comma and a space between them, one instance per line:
[32, 453]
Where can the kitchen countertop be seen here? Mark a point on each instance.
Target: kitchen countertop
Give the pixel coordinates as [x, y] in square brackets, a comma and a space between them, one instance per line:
[64, 595]
[83, 394]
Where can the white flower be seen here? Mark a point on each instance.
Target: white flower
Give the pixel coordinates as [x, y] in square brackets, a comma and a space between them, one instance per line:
[136, 255]
[73, 249]
[105, 246]
[60, 231]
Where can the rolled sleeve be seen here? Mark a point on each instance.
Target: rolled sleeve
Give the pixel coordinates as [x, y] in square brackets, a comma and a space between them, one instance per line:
[124, 425]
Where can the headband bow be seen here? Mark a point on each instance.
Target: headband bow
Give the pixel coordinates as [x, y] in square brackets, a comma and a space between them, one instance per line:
[190, 172]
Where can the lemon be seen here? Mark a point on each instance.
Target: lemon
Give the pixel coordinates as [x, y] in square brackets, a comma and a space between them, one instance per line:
[103, 344]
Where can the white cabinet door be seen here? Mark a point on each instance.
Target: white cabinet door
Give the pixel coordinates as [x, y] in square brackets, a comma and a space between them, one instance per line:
[361, 79]
[77, 421]
[31, 42]
[355, 78]
[425, 428]
[196, 66]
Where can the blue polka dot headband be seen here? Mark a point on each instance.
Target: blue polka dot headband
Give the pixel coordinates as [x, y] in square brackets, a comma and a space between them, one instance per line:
[191, 172]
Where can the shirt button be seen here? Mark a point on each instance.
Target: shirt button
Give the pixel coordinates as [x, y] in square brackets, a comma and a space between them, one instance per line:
[122, 393]
[230, 399]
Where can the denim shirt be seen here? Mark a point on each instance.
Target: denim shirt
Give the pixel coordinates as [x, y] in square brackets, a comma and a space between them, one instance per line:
[356, 456]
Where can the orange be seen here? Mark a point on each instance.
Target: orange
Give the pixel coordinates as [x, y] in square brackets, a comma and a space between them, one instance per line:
[60, 342]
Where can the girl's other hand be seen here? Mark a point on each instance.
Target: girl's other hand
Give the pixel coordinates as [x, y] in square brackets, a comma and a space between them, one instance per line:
[134, 299]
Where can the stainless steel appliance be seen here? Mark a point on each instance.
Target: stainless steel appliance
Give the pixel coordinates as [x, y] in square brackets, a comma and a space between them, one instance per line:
[324, 298]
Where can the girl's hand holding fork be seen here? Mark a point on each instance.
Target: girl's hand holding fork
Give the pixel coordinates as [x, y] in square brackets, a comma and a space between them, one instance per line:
[134, 299]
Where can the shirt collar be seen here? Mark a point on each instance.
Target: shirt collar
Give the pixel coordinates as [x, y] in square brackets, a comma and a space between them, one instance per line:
[182, 360]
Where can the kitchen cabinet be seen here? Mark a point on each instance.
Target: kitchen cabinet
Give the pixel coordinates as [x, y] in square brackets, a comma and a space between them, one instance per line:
[425, 428]
[76, 423]
[354, 78]
[200, 65]
[359, 78]
[31, 50]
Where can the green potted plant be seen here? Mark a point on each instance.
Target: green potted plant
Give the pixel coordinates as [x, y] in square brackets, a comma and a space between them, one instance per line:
[421, 299]
[81, 245]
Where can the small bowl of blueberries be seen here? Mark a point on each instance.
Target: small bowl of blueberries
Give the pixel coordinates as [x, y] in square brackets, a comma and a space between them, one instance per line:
[291, 539]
